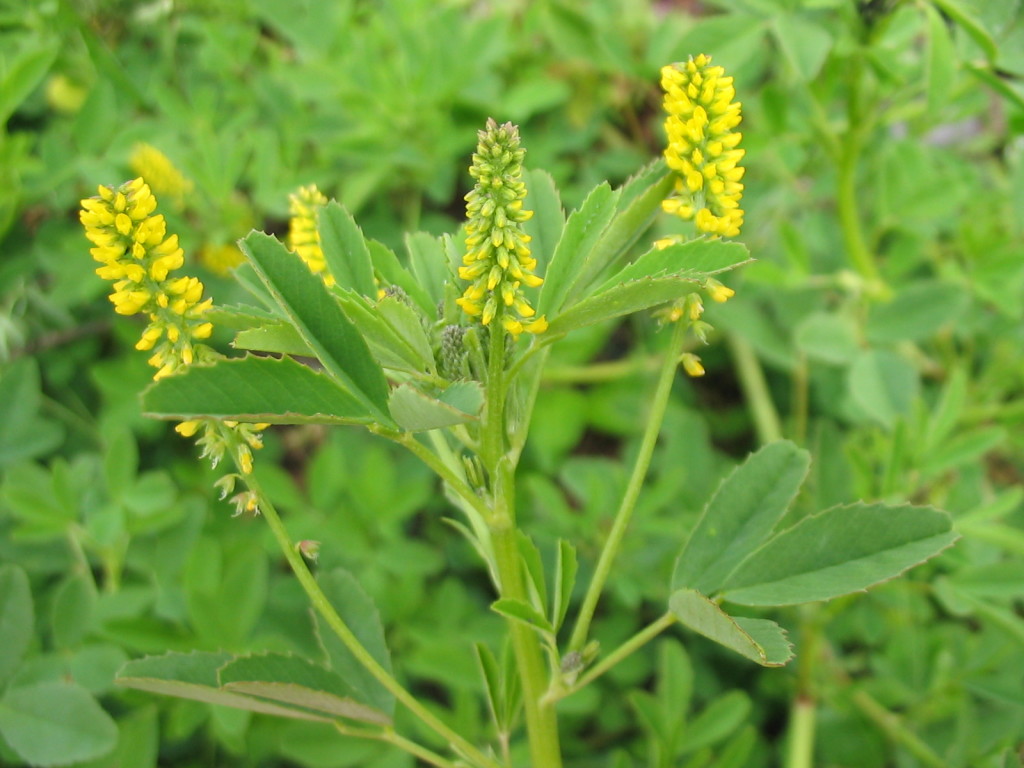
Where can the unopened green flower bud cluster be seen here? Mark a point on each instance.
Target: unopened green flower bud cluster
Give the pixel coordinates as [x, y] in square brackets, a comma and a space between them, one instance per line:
[497, 262]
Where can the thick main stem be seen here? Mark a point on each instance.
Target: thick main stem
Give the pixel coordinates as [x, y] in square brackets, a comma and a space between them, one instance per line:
[541, 719]
[636, 481]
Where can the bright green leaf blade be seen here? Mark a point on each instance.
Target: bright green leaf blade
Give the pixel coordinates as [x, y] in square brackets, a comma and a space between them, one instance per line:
[55, 724]
[883, 385]
[517, 610]
[387, 344]
[582, 230]
[633, 216]
[294, 681]
[841, 550]
[566, 566]
[940, 68]
[17, 618]
[767, 646]
[719, 719]
[319, 320]
[360, 615]
[828, 337]
[804, 43]
[545, 228]
[695, 259]
[741, 515]
[491, 674]
[194, 676]
[21, 73]
[626, 299]
[428, 263]
[345, 250]
[966, 21]
[279, 338]
[254, 389]
[416, 412]
[72, 615]
[393, 273]
[917, 312]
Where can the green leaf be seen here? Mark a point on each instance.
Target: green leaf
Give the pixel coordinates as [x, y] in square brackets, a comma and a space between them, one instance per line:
[360, 615]
[565, 580]
[828, 337]
[940, 69]
[279, 338]
[804, 43]
[194, 676]
[23, 434]
[883, 385]
[966, 21]
[345, 250]
[294, 681]
[393, 273]
[17, 618]
[581, 233]
[963, 449]
[22, 72]
[393, 330]
[517, 610]
[491, 674]
[948, 410]
[415, 411]
[917, 312]
[72, 610]
[428, 263]
[694, 259]
[759, 640]
[741, 515]
[637, 205]
[841, 550]
[55, 724]
[720, 718]
[533, 568]
[321, 323]
[548, 222]
[254, 389]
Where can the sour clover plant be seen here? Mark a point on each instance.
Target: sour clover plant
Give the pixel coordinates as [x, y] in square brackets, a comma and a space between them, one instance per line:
[442, 353]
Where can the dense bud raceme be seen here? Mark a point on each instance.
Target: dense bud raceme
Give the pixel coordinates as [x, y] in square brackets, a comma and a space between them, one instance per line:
[497, 262]
[303, 234]
[703, 146]
[132, 243]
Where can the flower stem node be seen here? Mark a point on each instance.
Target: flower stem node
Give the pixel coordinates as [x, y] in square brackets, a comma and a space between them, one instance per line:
[703, 146]
[497, 262]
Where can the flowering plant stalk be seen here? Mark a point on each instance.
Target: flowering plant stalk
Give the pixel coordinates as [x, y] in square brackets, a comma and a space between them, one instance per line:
[445, 358]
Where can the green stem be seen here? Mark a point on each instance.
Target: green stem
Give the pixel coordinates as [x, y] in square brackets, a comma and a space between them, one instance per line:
[636, 480]
[611, 370]
[390, 736]
[629, 647]
[341, 629]
[896, 730]
[800, 749]
[408, 440]
[541, 719]
[755, 390]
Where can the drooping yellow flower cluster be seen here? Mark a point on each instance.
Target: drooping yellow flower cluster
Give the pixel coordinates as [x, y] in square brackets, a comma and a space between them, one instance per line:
[162, 176]
[703, 146]
[303, 234]
[497, 261]
[138, 255]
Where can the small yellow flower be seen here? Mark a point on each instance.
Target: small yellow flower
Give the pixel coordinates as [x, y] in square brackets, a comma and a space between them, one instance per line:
[691, 364]
[221, 258]
[303, 235]
[162, 176]
[497, 262]
[718, 292]
[703, 146]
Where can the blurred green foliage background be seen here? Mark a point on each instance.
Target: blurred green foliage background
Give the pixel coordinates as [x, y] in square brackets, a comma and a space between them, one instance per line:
[881, 327]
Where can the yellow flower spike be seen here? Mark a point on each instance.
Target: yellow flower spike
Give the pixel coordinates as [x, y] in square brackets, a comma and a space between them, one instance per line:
[701, 149]
[303, 235]
[139, 256]
[497, 262]
[161, 175]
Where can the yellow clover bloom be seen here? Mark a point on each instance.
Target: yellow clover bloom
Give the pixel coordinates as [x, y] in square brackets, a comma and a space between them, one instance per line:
[497, 262]
[162, 176]
[703, 146]
[303, 235]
